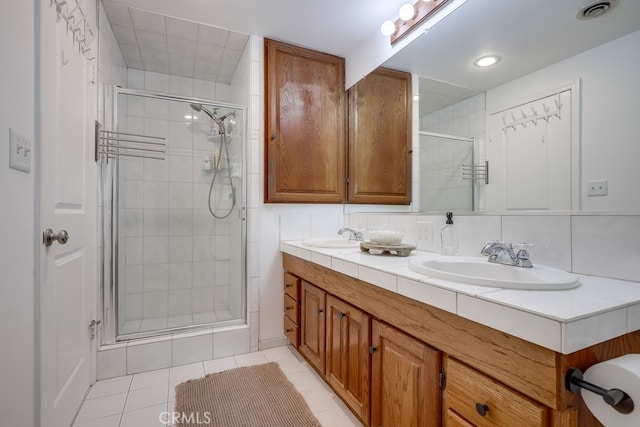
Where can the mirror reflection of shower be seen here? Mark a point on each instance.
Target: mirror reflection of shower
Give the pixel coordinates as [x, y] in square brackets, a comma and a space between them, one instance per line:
[218, 164]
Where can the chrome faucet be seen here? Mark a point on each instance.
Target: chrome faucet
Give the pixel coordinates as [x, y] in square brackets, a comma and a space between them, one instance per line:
[354, 234]
[503, 253]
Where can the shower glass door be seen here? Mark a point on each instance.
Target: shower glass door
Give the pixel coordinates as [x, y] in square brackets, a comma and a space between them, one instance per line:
[443, 160]
[178, 228]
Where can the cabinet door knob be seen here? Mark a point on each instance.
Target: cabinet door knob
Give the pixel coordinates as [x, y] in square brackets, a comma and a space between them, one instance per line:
[288, 285]
[320, 311]
[273, 137]
[342, 315]
[289, 330]
[482, 409]
[289, 307]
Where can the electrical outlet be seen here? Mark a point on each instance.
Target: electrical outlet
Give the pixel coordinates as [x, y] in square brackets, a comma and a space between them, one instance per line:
[597, 187]
[20, 151]
[424, 235]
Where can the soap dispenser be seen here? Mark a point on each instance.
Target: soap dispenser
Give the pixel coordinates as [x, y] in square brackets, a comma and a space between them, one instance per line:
[449, 237]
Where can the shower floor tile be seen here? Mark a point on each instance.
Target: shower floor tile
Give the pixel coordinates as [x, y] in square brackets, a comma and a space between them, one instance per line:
[149, 394]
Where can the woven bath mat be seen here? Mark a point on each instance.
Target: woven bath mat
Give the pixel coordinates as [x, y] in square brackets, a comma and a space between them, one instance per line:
[251, 396]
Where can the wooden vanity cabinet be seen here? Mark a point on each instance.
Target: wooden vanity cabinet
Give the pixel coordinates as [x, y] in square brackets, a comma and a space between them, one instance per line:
[305, 125]
[347, 354]
[312, 339]
[478, 400]
[380, 138]
[515, 382]
[292, 308]
[405, 380]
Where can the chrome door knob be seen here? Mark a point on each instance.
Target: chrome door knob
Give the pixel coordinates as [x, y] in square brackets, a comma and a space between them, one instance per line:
[48, 237]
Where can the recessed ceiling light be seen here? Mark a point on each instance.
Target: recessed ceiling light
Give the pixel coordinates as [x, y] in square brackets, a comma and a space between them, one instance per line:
[486, 61]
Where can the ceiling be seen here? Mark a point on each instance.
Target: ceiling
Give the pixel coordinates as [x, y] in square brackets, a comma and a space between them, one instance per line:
[528, 35]
[153, 42]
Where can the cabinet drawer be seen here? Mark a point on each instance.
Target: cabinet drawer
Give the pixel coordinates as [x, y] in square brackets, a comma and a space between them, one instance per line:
[470, 394]
[292, 286]
[452, 419]
[292, 331]
[292, 309]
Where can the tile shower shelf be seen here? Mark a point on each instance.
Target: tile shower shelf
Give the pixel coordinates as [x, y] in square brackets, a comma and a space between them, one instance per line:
[564, 321]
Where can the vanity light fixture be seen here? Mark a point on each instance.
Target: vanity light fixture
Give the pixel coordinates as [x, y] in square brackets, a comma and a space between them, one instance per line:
[407, 12]
[414, 15]
[388, 27]
[486, 61]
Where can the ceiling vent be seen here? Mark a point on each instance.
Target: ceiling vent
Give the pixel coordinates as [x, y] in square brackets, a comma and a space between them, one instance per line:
[596, 9]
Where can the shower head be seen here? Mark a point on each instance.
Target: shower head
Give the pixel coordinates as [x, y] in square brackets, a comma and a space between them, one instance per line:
[233, 113]
[199, 107]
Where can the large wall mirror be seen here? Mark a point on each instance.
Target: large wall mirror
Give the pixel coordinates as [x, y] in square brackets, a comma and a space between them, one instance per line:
[556, 119]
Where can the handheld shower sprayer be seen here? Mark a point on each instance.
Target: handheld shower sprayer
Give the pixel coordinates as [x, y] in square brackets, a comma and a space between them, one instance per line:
[199, 108]
[218, 120]
[223, 145]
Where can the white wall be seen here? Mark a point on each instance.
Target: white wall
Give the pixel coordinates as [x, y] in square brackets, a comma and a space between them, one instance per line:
[609, 122]
[17, 215]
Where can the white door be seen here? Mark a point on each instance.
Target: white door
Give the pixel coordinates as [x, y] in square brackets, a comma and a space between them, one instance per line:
[66, 109]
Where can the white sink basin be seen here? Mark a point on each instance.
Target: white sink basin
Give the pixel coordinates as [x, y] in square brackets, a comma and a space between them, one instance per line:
[331, 243]
[479, 271]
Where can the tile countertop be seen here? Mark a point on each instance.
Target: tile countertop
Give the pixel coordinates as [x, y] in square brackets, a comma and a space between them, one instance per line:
[564, 321]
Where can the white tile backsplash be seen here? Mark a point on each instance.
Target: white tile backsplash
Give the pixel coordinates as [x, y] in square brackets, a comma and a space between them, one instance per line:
[473, 232]
[600, 245]
[607, 246]
[550, 235]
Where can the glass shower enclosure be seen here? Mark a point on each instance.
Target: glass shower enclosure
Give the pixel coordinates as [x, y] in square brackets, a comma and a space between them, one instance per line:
[451, 172]
[173, 214]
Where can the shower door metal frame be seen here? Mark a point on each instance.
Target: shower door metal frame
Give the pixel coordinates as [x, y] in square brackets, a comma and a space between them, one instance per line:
[109, 266]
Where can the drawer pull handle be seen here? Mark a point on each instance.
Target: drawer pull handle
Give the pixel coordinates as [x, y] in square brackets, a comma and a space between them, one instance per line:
[482, 409]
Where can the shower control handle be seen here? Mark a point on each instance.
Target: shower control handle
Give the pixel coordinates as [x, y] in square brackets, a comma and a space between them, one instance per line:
[48, 237]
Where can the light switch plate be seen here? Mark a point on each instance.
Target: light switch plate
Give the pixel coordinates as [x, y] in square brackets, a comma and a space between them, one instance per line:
[20, 151]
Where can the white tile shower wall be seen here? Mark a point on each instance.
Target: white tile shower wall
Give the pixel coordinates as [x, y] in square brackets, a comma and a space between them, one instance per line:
[175, 226]
[467, 119]
[244, 90]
